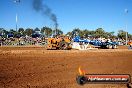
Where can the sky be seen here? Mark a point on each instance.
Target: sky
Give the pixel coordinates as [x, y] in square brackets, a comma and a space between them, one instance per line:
[84, 14]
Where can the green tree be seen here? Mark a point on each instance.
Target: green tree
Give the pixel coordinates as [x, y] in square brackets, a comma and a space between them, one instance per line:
[1, 30]
[46, 31]
[82, 33]
[99, 32]
[5, 32]
[43, 30]
[87, 32]
[121, 34]
[91, 33]
[109, 35]
[58, 31]
[12, 31]
[21, 31]
[129, 36]
[29, 31]
[112, 33]
[36, 29]
[69, 34]
[76, 32]
[15, 33]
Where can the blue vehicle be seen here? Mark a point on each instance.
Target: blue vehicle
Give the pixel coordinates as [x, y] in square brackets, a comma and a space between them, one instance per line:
[78, 39]
[97, 43]
[104, 45]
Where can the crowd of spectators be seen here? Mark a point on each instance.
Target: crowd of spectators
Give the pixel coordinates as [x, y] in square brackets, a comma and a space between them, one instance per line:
[27, 40]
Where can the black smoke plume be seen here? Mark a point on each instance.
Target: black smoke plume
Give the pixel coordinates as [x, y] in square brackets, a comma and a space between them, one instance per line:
[39, 6]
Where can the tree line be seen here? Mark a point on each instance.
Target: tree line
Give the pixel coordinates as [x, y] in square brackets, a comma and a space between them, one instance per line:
[47, 32]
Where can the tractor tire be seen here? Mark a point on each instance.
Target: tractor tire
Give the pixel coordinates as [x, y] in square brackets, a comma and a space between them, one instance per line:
[63, 45]
[49, 47]
[114, 46]
[109, 46]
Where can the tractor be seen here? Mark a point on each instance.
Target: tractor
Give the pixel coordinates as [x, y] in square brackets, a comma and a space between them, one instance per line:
[60, 42]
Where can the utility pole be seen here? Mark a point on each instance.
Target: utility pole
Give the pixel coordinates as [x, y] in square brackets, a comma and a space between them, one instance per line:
[126, 11]
[126, 35]
[16, 2]
[16, 21]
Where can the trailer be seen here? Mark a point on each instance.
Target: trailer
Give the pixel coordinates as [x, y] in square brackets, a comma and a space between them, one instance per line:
[84, 44]
[104, 45]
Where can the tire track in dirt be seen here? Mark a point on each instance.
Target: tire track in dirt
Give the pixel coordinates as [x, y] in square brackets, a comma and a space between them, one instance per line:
[37, 68]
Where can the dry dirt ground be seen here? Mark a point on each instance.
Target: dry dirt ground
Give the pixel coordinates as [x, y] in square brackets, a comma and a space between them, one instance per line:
[35, 67]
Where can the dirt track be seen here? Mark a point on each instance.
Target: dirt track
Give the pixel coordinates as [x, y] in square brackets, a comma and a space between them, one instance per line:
[34, 67]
